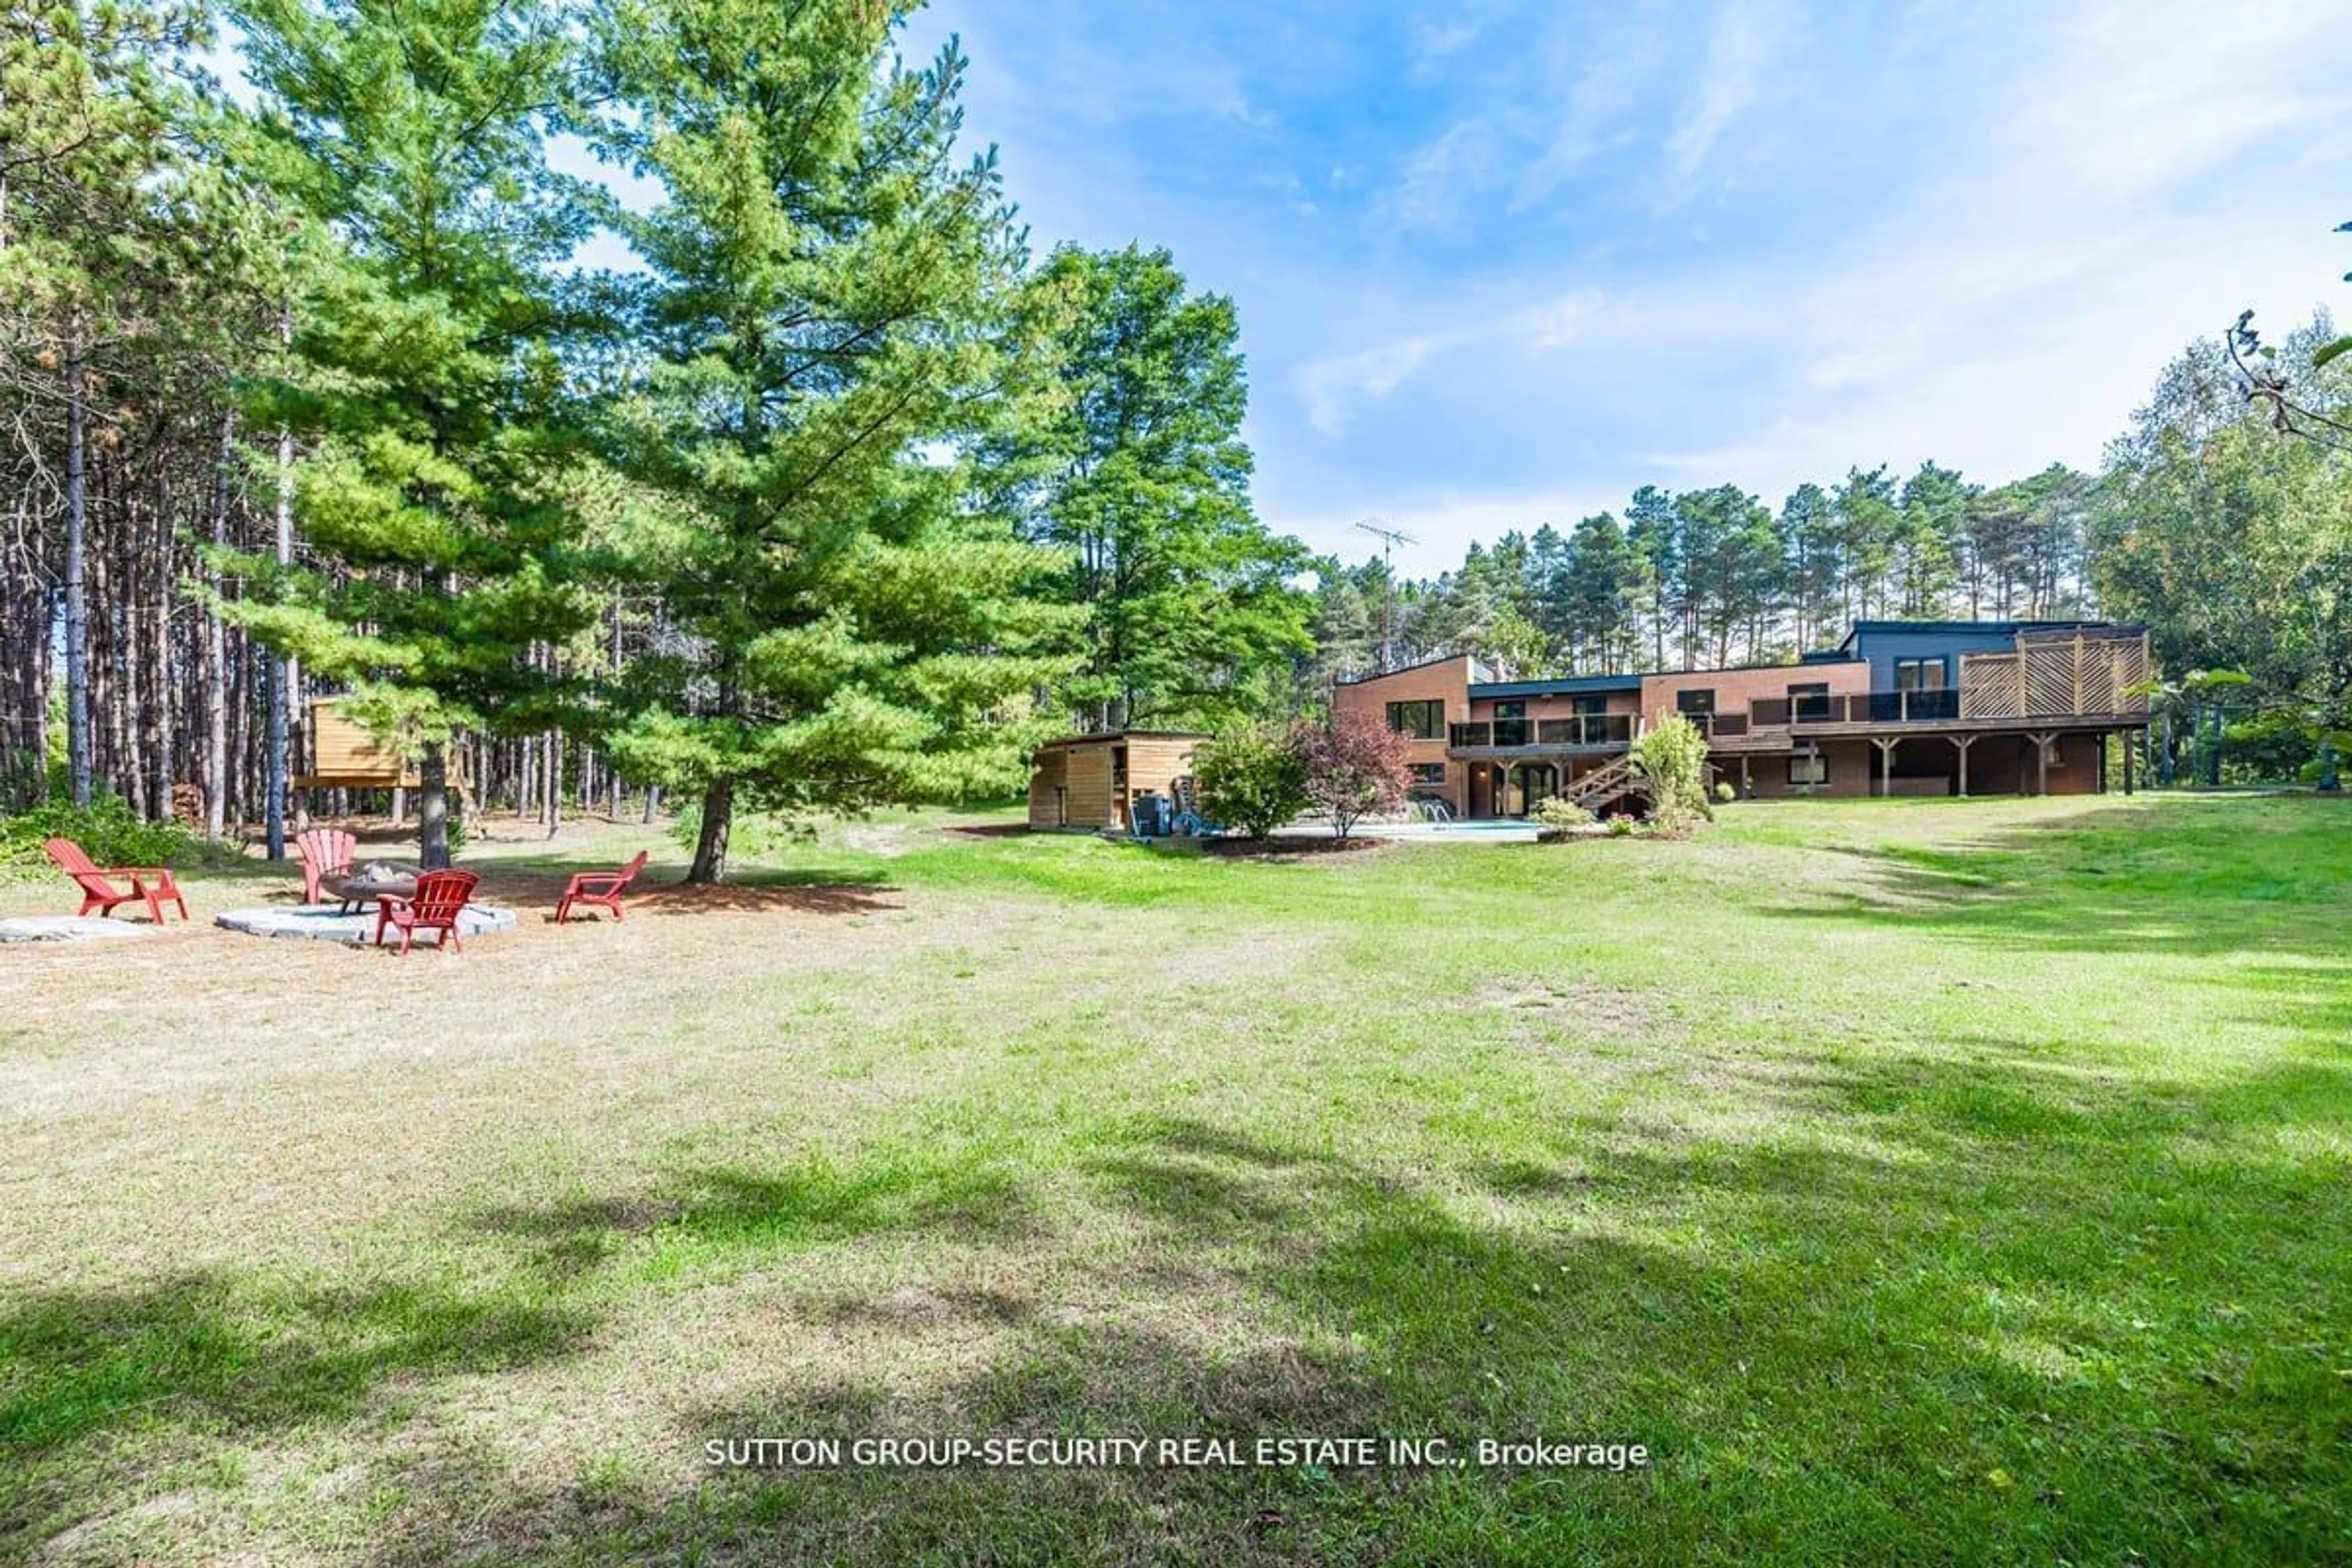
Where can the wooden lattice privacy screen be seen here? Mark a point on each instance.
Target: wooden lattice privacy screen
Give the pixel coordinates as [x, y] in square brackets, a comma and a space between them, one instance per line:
[2057, 674]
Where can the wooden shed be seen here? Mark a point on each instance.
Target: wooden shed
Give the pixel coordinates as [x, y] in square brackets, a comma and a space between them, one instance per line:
[1088, 781]
[341, 755]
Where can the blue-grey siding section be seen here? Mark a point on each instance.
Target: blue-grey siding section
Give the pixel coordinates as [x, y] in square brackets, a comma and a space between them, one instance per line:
[1883, 649]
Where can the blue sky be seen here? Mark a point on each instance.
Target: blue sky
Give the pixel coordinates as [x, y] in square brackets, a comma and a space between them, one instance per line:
[1498, 263]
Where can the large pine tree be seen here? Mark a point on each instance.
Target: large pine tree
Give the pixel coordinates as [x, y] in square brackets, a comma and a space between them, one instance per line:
[819, 336]
[406, 136]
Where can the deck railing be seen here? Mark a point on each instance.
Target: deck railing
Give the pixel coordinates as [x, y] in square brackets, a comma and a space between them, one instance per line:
[1577, 730]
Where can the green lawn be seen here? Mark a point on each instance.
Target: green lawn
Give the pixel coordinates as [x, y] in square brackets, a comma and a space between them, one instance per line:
[1918, 1182]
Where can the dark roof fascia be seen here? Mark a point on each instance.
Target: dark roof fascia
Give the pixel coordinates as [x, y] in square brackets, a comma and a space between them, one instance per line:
[1809, 660]
[1566, 685]
[1997, 629]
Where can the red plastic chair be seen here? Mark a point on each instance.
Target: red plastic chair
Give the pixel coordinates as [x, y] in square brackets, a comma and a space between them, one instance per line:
[326, 852]
[601, 889]
[440, 898]
[149, 885]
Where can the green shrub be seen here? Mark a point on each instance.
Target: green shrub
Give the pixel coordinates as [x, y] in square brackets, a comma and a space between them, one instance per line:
[1725, 792]
[1556, 812]
[1253, 779]
[109, 831]
[1672, 756]
[1621, 827]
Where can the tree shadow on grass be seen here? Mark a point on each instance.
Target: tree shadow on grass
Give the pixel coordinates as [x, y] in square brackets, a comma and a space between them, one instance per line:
[103, 1386]
[1979, 1306]
[2108, 882]
[710, 1211]
[2026, 1315]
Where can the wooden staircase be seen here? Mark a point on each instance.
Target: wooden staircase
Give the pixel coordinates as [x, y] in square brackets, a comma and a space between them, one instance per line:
[1613, 781]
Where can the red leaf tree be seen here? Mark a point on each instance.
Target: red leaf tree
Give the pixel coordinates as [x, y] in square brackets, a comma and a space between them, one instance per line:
[1356, 766]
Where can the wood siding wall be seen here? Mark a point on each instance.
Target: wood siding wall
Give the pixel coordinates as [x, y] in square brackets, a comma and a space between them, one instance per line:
[1071, 784]
[343, 755]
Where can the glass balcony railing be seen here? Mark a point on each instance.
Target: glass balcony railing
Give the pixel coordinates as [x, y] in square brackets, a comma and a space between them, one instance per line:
[1579, 730]
[1939, 706]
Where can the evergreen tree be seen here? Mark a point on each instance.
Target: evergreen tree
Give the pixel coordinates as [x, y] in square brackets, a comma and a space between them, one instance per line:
[1605, 578]
[1928, 538]
[408, 137]
[1863, 526]
[89, 170]
[1809, 565]
[822, 333]
[1655, 534]
[1142, 479]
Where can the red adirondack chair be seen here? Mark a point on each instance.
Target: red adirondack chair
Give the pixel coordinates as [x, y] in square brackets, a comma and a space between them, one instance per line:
[149, 885]
[601, 889]
[326, 852]
[440, 898]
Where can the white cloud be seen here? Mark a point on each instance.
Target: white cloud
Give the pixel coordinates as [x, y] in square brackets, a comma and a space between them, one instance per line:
[1332, 388]
[1740, 43]
[1441, 173]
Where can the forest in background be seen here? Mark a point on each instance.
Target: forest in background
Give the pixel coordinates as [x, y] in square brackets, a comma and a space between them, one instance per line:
[839, 495]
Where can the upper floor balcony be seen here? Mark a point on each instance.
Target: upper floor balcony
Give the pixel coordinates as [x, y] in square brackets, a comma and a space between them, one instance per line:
[1591, 731]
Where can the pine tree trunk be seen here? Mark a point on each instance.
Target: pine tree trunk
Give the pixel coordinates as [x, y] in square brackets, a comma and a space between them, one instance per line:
[78, 759]
[718, 817]
[284, 679]
[162, 740]
[433, 809]
[554, 812]
[215, 646]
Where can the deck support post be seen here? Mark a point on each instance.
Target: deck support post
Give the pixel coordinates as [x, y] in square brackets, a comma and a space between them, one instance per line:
[1747, 780]
[2131, 745]
[1961, 743]
[1885, 766]
[2042, 740]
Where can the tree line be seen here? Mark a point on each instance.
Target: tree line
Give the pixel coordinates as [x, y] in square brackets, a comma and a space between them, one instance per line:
[1714, 577]
[834, 495]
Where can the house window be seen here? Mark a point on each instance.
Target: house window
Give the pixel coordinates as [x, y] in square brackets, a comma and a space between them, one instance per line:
[1921, 674]
[1428, 777]
[1589, 705]
[1510, 710]
[1807, 770]
[1697, 703]
[1422, 721]
[1809, 702]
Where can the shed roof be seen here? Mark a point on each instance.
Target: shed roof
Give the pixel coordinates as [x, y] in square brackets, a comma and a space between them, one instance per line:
[1103, 737]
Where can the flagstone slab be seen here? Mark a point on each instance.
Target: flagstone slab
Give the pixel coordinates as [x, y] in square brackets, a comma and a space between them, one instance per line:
[328, 922]
[69, 928]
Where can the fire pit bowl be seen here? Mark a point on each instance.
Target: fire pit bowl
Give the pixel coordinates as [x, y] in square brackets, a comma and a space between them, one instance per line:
[377, 880]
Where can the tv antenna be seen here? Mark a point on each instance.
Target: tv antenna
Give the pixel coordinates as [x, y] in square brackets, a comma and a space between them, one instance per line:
[1389, 538]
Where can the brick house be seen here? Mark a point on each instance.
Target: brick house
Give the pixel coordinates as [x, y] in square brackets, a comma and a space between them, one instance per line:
[1937, 708]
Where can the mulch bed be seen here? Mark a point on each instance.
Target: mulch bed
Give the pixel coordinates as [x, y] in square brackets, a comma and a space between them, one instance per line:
[1287, 849]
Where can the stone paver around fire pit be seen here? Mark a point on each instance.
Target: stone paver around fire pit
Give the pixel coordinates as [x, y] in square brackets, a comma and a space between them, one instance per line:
[327, 922]
[67, 928]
